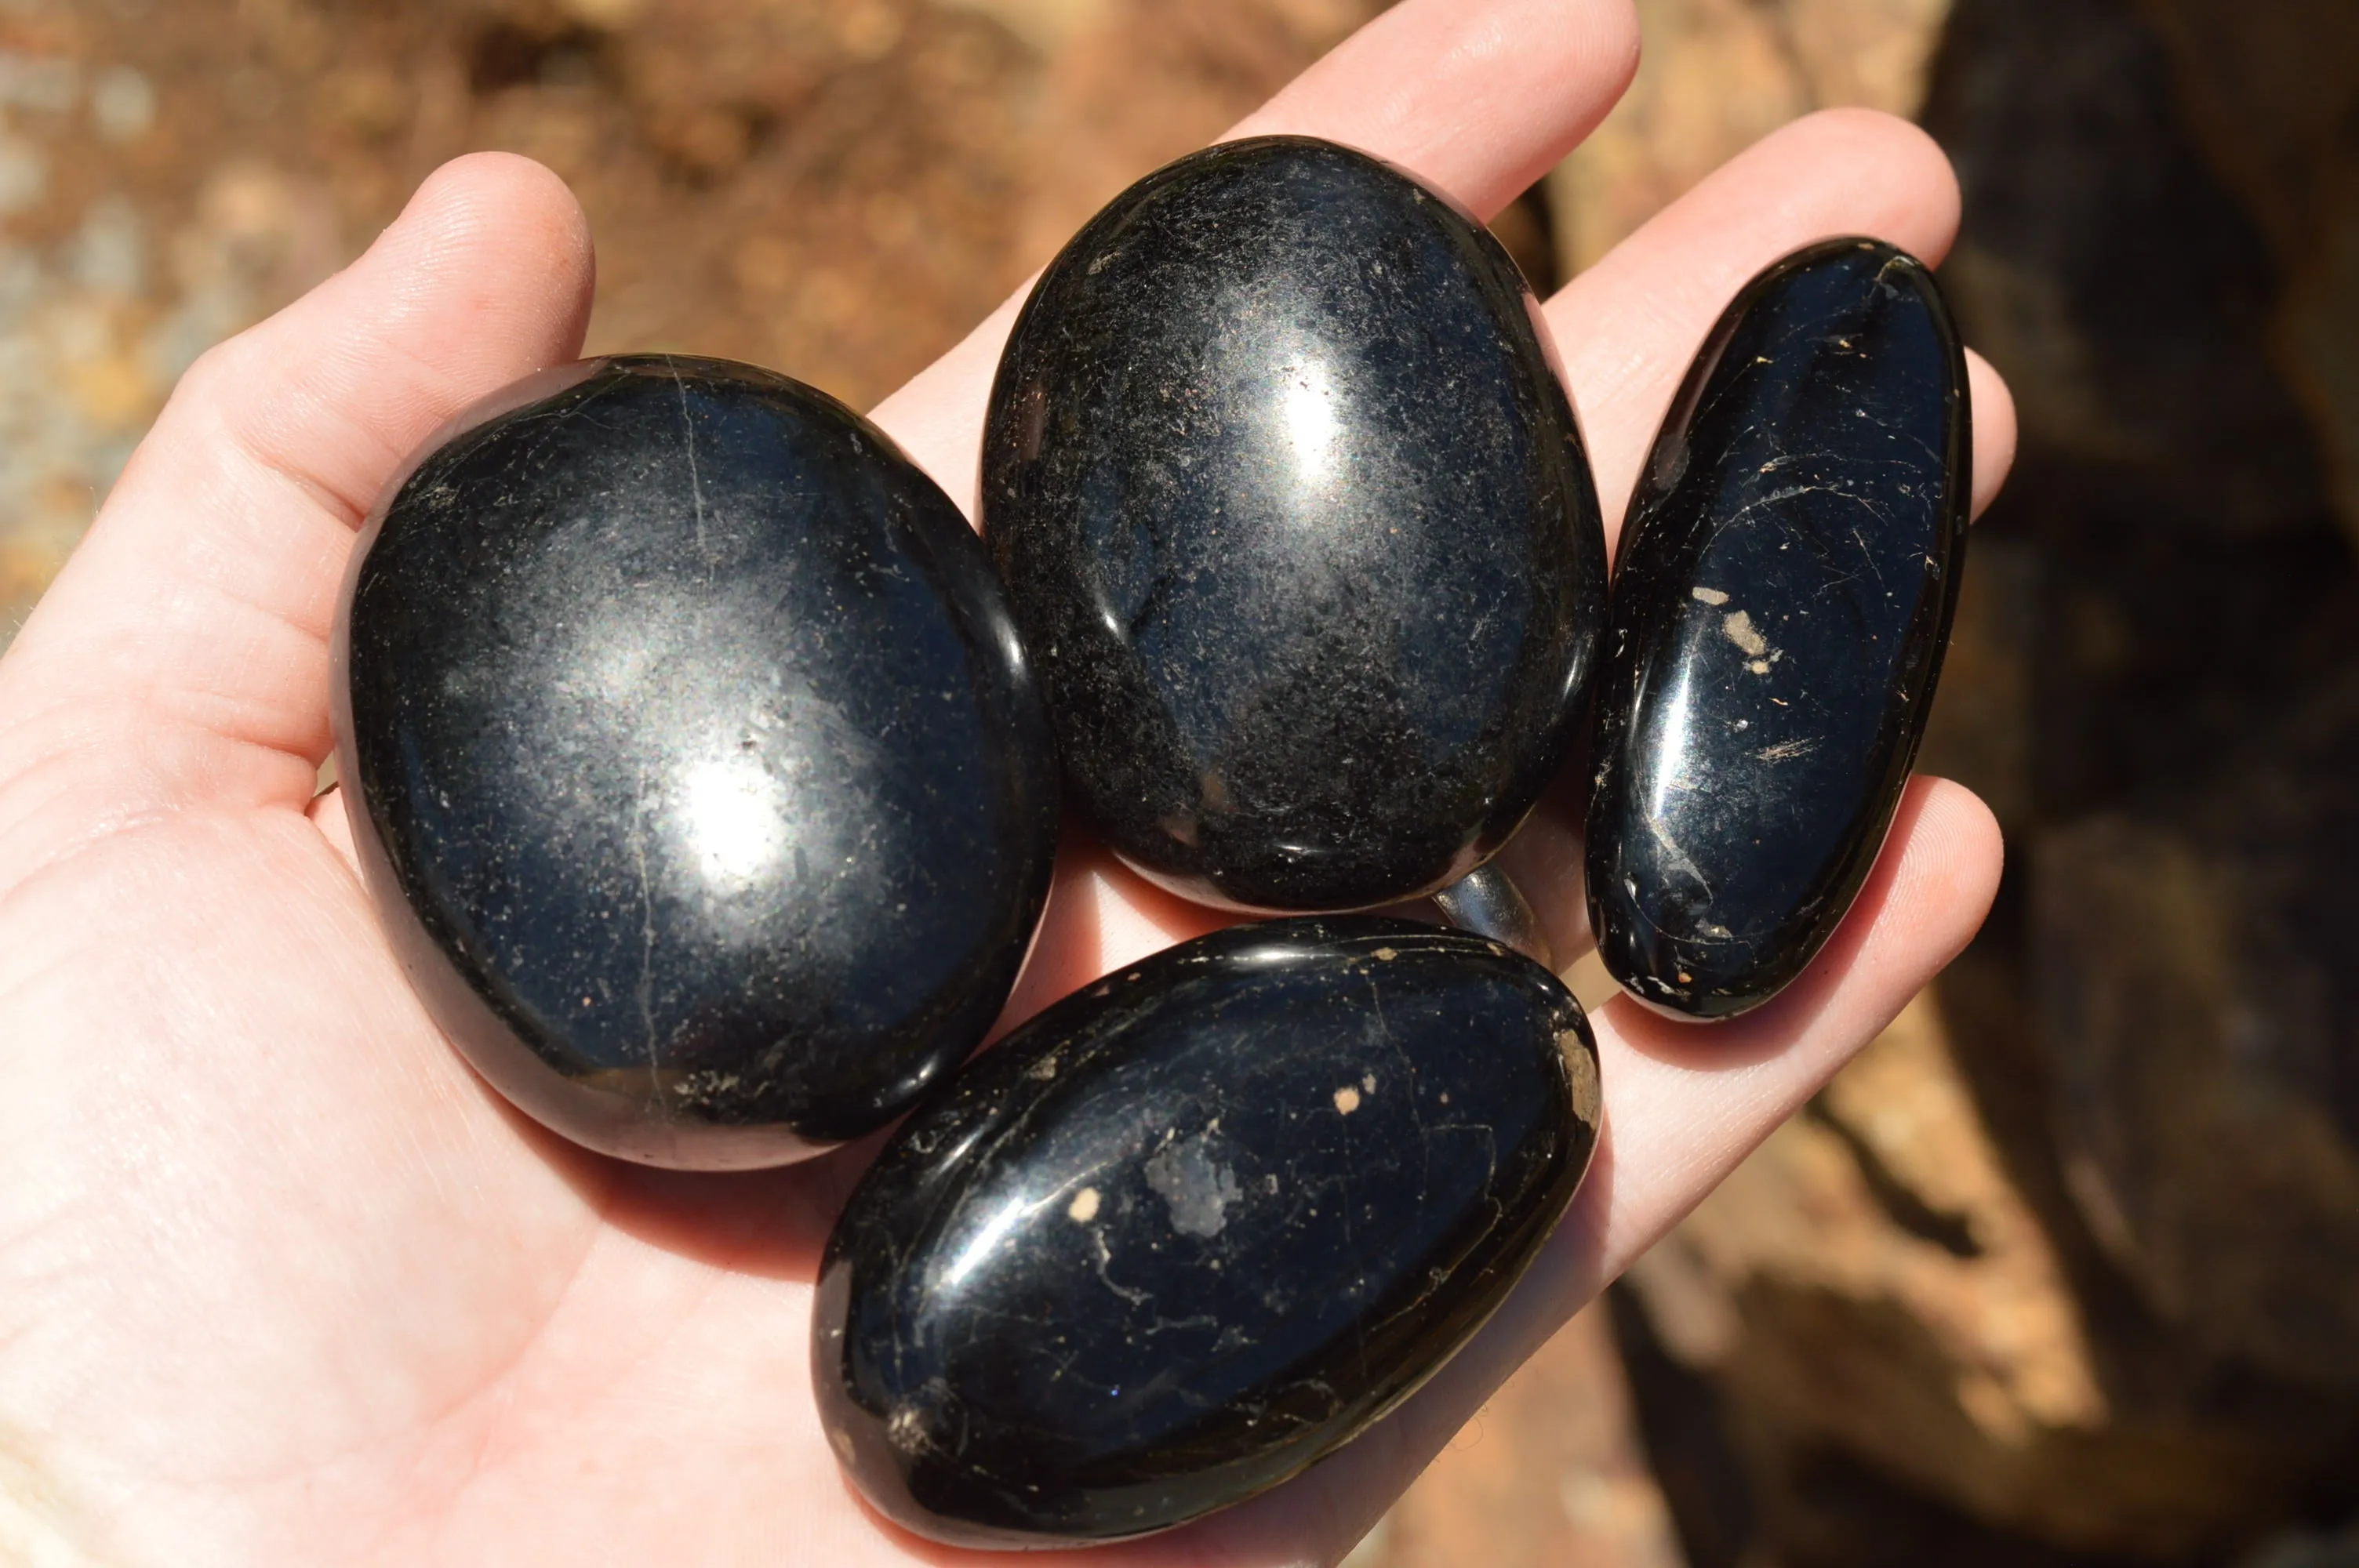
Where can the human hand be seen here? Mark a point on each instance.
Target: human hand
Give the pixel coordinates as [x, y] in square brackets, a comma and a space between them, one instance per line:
[281, 1282]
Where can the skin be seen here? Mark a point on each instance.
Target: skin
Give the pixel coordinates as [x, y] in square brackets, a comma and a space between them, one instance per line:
[282, 1282]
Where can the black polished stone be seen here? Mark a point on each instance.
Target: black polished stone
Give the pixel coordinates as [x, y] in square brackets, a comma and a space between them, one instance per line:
[1781, 602]
[1193, 1227]
[695, 765]
[1298, 523]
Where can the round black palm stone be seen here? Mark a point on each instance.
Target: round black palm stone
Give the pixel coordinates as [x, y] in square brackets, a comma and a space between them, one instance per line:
[1196, 1226]
[1297, 521]
[693, 760]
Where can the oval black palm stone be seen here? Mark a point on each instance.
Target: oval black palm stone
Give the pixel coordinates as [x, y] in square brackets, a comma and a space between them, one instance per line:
[1781, 603]
[695, 766]
[1298, 526]
[1191, 1229]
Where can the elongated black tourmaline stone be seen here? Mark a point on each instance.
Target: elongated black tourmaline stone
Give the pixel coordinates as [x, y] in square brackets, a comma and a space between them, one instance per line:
[695, 766]
[1780, 605]
[1191, 1229]
[1297, 525]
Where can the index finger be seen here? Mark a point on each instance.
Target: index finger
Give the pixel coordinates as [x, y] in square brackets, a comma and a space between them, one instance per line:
[1477, 100]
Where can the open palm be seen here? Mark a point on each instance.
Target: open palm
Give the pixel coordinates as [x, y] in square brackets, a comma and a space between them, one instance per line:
[281, 1282]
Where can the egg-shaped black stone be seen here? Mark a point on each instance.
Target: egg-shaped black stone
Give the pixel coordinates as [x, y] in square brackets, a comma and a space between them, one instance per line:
[1298, 523]
[1781, 603]
[1197, 1225]
[694, 762]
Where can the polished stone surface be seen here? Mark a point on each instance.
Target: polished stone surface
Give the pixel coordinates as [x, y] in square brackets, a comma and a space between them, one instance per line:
[695, 765]
[1196, 1226]
[1299, 528]
[1782, 600]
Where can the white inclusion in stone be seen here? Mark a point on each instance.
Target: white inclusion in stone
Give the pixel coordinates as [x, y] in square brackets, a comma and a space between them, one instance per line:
[734, 811]
[1194, 1187]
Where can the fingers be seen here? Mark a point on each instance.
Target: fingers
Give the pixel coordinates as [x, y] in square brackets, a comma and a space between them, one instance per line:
[1478, 100]
[1628, 326]
[196, 614]
[1688, 1102]
[1993, 424]
[1626, 330]
[1684, 1105]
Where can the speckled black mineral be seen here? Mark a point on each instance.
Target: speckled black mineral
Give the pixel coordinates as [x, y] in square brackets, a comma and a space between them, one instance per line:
[1782, 600]
[1194, 1227]
[1298, 523]
[693, 760]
